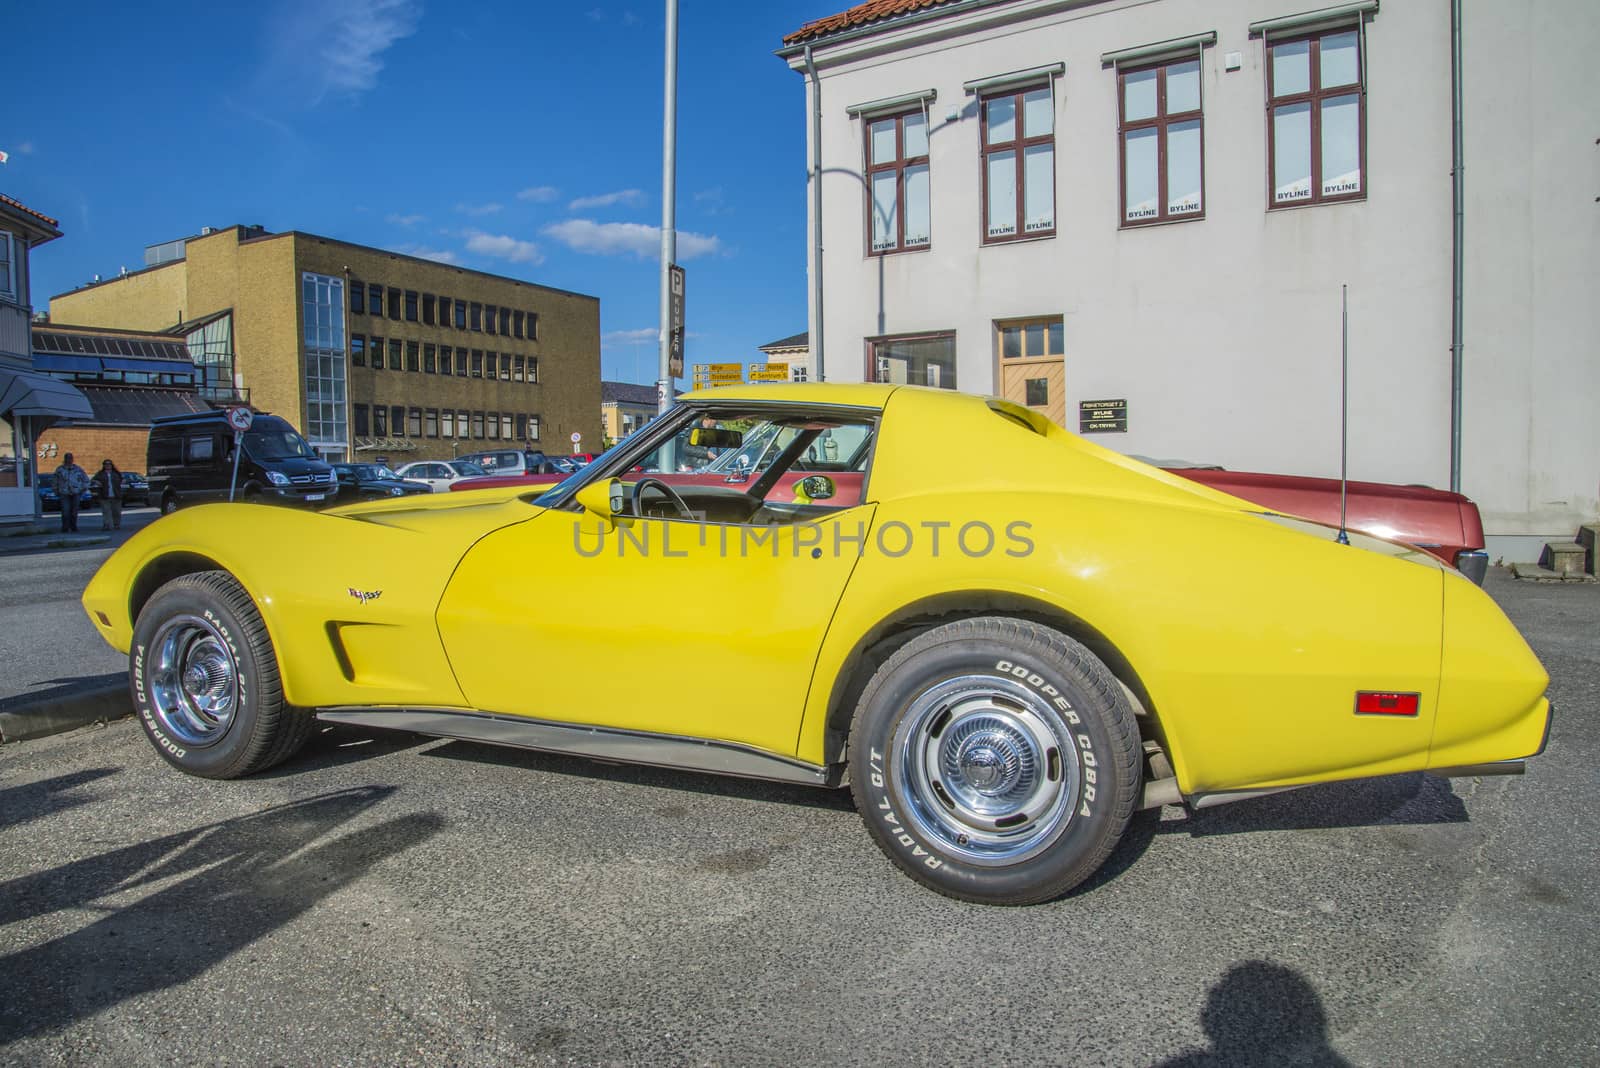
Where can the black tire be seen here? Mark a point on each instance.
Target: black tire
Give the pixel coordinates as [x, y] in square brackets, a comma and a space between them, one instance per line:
[995, 760]
[169, 504]
[205, 680]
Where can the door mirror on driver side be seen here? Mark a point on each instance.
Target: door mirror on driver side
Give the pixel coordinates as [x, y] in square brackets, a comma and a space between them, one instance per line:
[603, 499]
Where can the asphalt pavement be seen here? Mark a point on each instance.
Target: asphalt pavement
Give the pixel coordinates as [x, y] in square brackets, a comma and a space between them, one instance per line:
[58, 672]
[386, 899]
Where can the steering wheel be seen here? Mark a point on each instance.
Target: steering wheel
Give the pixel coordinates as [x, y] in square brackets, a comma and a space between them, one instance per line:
[666, 491]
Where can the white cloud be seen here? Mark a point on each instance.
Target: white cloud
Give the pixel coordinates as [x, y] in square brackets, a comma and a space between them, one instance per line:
[504, 247]
[622, 338]
[337, 46]
[630, 19]
[25, 148]
[606, 200]
[539, 194]
[405, 220]
[616, 239]
[479, 210]
[438, 255]
[596, 15]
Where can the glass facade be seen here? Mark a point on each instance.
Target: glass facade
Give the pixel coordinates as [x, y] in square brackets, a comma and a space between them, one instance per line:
[323, 357]
[211, 348]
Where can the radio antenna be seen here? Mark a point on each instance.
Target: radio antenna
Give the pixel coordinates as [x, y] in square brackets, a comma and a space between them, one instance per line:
[1344, 410]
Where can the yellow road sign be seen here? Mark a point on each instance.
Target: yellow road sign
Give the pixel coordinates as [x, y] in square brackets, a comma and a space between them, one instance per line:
[725, 368]
[769, 376]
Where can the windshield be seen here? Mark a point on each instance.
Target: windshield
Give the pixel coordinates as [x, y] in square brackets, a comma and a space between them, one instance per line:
[467, 469]
[370, 472]
[273, 439]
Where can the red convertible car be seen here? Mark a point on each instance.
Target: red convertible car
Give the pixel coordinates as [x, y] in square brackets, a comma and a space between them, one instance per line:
[1442, 523]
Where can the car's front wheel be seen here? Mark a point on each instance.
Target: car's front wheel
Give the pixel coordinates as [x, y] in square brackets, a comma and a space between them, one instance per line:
[995, 760]
[205, 680]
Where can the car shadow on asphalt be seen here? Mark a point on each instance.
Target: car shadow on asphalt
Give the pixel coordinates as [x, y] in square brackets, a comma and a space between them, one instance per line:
[218, 888]
[1393, 800]
[35, 800]
[1261, 1013]
[333, 745]
[642, 775]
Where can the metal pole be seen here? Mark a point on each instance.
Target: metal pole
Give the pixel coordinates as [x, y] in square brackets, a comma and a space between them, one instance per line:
[1457, 246]
[238, 447]
[1344, 407]
[815, 338]
[669, 231]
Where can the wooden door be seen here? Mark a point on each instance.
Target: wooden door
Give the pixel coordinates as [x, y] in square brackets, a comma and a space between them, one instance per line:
[1032, 366]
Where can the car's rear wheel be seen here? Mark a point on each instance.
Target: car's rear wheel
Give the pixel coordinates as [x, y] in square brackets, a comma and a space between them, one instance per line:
[205, 680]
[995, 760]
[169, 503]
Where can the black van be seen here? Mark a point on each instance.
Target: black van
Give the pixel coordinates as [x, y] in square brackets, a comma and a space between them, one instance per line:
[189, 460]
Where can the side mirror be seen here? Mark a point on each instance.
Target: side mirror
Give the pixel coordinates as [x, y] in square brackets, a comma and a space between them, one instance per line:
[816, 487]
[602, 499]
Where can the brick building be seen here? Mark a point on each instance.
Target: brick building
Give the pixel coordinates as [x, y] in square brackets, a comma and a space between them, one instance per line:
[367, 352]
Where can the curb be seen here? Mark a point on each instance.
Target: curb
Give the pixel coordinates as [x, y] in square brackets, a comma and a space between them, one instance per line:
[43, 717]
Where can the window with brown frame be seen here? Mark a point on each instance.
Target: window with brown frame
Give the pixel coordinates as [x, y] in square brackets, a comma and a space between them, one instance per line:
[897, 182]
[394, 354]
[397, 420]
[916, 360]
[533, 368]
[430, 422]
[1161, 139]
[427, 309]
[413, 357]
[1019, 165]
[533, 428]
[380, 421]
[376, 348]
[489, 312]
[1317, 119]
[429, 360]
[394, 304]
[411, 305]
[414, 423]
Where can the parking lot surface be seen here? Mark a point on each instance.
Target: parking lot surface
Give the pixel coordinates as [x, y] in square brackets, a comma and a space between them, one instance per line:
[386, 899]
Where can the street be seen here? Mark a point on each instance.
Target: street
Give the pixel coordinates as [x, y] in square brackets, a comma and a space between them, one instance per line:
[387, 899]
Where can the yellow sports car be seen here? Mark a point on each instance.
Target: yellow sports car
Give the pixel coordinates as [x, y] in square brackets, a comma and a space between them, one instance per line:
[1003, 638]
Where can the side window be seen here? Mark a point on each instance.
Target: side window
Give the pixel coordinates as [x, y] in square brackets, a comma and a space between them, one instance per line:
[202, 449]
[166, 450]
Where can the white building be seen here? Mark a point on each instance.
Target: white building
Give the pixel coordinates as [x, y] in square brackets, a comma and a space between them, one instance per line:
[1158, 201]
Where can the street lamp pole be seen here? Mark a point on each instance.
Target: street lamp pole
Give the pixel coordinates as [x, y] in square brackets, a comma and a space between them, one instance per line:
[669, 232]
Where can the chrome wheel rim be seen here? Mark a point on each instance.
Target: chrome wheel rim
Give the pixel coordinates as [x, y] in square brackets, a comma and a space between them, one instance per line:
[987, 768]
[193, 680]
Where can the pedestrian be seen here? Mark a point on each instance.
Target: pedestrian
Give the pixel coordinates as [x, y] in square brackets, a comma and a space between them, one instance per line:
[107, 485]
[71, 481]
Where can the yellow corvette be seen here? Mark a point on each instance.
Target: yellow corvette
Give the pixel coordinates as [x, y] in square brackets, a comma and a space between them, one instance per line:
[1003, 638]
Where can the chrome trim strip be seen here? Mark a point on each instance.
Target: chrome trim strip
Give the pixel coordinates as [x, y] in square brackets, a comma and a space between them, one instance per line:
[1494, 767]
[1229, 796]
[602, 743]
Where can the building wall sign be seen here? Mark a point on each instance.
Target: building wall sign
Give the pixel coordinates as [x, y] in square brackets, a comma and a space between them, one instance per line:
[1103, 416]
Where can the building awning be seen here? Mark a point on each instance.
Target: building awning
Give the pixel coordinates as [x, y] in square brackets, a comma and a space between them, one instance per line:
[25, 393]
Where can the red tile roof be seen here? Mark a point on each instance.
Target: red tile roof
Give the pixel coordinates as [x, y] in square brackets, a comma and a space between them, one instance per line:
[860, 15]
[54, 224]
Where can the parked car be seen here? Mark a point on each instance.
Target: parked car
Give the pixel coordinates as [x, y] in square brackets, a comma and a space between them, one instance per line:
[135, 488]
[1445, 524]
[362, 482]
[439, 475]
[190, 460]
[50, 501]
[512, 461]
[1004, 654]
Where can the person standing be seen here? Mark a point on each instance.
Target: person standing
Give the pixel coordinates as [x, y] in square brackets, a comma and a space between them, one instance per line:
[107, 485]
[71, 481]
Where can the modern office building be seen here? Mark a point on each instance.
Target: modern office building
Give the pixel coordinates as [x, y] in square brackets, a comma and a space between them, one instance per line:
[1151, 207]
[367, 352]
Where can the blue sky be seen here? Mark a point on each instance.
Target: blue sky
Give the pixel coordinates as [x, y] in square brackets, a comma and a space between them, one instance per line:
[518, 138]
